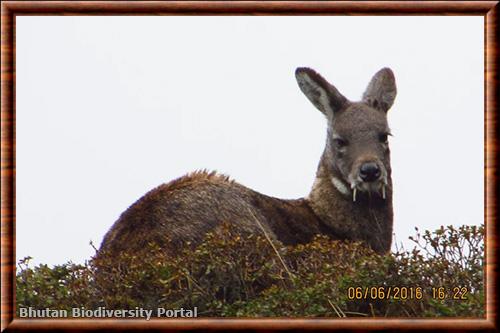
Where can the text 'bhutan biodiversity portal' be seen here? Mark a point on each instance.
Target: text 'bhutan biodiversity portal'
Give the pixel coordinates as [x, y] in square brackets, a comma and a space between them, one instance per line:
[102, 312]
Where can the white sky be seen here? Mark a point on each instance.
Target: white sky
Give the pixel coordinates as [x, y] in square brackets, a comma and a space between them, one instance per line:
[110, 107]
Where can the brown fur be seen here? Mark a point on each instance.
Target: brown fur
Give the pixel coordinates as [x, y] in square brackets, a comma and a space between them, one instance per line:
[186, 209]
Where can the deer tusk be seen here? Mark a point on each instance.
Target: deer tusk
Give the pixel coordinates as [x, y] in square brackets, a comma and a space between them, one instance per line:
[383, 192]
[354, 195]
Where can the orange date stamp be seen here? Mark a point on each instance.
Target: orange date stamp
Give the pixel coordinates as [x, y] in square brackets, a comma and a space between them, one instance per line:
[455, 293]
[379, 293]
[405, 293]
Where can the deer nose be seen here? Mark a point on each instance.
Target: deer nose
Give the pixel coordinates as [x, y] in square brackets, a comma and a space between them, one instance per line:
[369, 172]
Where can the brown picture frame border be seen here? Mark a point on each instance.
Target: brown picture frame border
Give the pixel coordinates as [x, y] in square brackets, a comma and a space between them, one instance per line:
[11, 9]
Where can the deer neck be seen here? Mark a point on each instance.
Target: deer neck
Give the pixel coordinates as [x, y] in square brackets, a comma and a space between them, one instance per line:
[331, 199]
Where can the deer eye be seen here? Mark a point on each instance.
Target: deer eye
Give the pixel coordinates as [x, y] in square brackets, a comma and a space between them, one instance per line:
[339, 143]
[383, 138]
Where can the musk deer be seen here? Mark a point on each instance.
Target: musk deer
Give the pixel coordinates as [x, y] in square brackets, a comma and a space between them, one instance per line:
[351, 198]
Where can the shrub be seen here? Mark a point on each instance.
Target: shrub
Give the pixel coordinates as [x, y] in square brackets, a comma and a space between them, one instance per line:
[234, 275]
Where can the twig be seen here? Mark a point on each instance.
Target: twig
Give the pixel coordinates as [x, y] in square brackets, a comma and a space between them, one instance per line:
[270, 242]
[337, 309]
[356, 313]
[371, 309]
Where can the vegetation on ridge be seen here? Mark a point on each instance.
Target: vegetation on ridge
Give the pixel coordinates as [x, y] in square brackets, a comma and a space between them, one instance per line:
[234, 275]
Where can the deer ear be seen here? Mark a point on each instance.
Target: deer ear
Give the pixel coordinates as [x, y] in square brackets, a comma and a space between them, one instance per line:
[322, 94]
[381, 90]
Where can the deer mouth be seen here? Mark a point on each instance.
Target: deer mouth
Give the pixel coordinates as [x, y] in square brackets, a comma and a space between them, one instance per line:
[378, 188]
